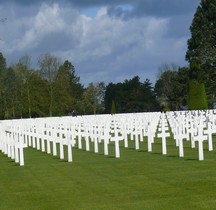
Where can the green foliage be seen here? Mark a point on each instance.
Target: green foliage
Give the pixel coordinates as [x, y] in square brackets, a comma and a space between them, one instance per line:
[195, 72]
[38, 96]
[113, 109]
[197, 96]
[211, 90]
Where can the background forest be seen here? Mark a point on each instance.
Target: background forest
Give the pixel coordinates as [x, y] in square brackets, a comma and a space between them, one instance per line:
[55, 90]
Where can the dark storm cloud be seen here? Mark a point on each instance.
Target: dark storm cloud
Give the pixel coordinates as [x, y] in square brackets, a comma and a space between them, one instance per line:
[78, 3]
[165, 7]
[145, 7]
[139, 7]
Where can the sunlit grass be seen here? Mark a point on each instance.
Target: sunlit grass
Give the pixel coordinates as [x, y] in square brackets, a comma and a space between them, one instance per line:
[137, 180]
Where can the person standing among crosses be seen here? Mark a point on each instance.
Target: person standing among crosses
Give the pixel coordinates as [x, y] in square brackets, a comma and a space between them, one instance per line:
[74, 114]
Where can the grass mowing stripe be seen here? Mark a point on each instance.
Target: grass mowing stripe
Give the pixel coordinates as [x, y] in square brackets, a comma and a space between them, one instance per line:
[137, 180]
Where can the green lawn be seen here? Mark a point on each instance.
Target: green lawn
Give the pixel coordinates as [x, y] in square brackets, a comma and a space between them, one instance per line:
[136, 180]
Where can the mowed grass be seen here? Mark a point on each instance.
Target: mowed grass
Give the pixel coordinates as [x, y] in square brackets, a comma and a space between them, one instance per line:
[138, 180]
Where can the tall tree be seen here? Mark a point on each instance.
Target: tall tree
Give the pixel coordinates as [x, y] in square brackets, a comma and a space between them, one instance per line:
[10, 94]
[130, 96]
[171, 88]
[31, 92]
[67, 89]
[49, 66]
[111, 96]
[93, 98]
[150, 102]
[40, 106]
[3, 68]
[76, 87]
[23, 72]
[201, 53]
[2, 63]
[167, 67]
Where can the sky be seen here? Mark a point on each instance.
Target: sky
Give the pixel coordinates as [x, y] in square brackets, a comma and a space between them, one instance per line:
[106, 40]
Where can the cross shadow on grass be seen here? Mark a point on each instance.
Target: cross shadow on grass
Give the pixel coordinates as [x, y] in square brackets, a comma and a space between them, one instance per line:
[110, 156]
[191, 159]
[127, 148]
[173, 156]
[63, 160]
[142, 150]
[156, 153]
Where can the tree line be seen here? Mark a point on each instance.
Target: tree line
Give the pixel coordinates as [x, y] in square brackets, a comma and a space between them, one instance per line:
[24, 92]
[55, 90]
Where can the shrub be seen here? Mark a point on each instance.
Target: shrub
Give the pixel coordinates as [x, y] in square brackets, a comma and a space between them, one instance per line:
[197, 96]
[113, 109]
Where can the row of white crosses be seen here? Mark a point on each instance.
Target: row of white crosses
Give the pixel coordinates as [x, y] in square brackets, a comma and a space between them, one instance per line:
[193, 126]
[13, 140]
[38, 133]
[47, 134]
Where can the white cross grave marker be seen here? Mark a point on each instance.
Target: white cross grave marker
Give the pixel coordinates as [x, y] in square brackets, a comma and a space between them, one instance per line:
[200, 137]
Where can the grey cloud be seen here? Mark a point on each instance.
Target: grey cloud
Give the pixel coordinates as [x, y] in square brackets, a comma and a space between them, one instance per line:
[126, 42]
[57, 40]
[178, 27]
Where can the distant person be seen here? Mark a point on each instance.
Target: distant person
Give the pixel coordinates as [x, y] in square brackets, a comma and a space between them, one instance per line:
[74, 114]
[162, 108]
